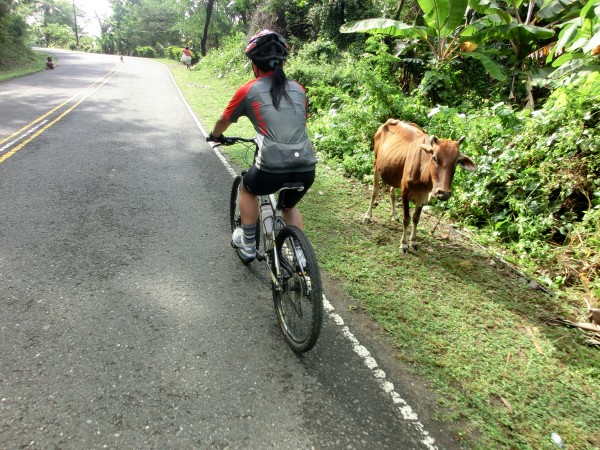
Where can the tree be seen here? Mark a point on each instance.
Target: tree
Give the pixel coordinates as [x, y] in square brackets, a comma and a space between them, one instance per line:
[138, 23]
[58, 35]
[209, 9]
[513, 22]
[12, 24]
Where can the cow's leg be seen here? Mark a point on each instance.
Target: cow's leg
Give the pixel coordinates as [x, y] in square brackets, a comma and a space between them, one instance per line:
[415, 220]
[405, 224]
[369, 212]
[393, 202]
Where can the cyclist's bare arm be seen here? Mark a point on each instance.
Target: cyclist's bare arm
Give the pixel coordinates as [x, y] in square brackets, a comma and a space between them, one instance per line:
[220, 127]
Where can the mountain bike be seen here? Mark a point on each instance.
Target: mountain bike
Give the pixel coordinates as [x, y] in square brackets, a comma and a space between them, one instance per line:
[295, 276]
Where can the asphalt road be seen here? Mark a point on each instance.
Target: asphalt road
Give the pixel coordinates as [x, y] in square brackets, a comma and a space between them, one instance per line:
[126, 319]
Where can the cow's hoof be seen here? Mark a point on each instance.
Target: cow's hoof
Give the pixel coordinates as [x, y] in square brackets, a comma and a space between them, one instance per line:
[404, 249]
[414, 246]
[366, 219]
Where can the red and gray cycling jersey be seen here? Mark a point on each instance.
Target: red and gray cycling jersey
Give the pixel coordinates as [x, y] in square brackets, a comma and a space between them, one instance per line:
[283, 142]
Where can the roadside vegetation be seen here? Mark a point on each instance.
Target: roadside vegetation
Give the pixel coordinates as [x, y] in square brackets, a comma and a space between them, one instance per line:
[21, 61]
[518, 244]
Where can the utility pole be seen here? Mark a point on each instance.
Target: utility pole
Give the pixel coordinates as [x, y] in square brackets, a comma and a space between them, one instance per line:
[75, 18]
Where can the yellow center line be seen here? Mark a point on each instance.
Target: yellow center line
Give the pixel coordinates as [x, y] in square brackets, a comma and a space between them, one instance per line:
[91, 89]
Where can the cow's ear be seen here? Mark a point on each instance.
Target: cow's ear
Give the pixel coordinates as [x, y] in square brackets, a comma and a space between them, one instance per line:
[427, 148]
[461, 140]
[433, 140]
[466, 163]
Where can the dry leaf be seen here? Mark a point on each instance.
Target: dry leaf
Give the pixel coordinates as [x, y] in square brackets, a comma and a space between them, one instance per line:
[507, 404]
[535, 342]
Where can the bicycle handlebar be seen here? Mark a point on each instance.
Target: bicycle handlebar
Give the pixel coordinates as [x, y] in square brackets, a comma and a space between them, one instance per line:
[233, 139]
[230, 140]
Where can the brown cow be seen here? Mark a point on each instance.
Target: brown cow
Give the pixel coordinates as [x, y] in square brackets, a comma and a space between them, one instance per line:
[420, 165]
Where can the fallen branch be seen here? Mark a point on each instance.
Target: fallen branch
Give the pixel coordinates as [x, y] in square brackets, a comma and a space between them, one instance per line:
[591, 330]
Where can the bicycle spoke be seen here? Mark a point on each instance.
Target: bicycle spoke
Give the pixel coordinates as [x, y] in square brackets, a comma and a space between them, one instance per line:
[299, 303]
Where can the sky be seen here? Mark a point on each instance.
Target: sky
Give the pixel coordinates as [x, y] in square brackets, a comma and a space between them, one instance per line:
[101, 7]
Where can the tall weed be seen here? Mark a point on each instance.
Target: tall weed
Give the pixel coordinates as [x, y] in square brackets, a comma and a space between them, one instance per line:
[229, 60]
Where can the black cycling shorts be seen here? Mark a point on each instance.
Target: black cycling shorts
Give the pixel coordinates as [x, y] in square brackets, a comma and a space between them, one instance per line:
[259, 182]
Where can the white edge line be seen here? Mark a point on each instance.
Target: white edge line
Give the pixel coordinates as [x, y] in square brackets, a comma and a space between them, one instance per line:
[406, 412]
[202, 130]
[404, 408]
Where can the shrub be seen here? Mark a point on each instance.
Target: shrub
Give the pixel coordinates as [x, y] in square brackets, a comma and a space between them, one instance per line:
[229, 60]
[173, 52]
[538, 180]
[146, 52]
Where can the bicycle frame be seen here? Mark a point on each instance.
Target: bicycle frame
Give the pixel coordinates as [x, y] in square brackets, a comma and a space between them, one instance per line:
[295, 278]
[271, 221]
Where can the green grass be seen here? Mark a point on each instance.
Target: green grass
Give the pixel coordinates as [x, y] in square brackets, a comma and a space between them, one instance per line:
[454, 315]
[16, 62]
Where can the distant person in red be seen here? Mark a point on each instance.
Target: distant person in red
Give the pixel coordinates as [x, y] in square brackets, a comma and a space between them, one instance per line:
[186, 57]
[49, 63]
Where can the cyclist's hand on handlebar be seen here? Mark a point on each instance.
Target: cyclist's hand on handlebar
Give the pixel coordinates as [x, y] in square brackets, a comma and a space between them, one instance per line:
[221, 139]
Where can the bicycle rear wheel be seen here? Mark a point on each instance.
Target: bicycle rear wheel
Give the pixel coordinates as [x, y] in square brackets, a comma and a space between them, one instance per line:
[234, 204]
[299, 303]
[235, 218]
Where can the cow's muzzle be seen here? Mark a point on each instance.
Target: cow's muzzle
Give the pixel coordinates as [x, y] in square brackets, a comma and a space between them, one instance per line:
[442, 195]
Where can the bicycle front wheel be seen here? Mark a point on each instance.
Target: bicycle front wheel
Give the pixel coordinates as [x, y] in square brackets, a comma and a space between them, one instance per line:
[299, 301]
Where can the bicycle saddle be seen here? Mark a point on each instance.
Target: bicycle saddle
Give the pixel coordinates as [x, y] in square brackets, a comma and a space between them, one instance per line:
[298, 186]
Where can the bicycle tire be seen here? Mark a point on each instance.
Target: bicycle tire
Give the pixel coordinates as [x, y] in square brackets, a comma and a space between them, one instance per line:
[234, 209]
[299, 303]
[235, 219]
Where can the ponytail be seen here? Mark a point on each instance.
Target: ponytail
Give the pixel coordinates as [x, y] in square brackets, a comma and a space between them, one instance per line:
[279, 80]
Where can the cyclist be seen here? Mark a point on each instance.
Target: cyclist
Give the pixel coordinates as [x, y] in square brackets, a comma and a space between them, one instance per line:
[276, 107]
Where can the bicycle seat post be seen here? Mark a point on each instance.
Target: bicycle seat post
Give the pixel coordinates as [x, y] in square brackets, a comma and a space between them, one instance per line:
[287, 187]
[266, 214]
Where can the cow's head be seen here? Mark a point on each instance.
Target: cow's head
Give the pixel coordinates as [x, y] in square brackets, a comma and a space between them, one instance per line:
[445, 156]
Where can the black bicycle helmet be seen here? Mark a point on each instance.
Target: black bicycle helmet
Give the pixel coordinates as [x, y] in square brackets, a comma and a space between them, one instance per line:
[266, 46]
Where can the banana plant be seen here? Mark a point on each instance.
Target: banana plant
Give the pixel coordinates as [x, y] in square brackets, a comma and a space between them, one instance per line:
[513, 21]
[449, 33]
[578, 42]
[445, 32]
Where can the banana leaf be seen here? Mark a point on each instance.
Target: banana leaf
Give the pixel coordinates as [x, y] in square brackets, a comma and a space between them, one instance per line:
[492, 68]
[517, 32]
[553, 8]
[593, 42]
[388, 27]
[489, 7]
